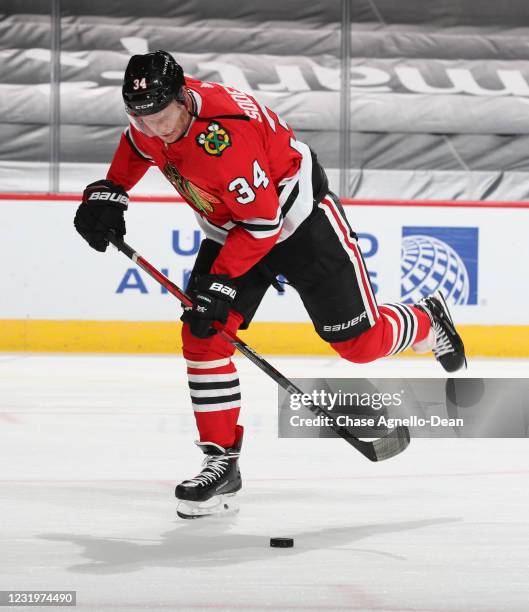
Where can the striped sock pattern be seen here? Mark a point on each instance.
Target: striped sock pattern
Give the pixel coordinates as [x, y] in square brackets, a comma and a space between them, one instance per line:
[404, 323]
[216, 399]
[213, 385]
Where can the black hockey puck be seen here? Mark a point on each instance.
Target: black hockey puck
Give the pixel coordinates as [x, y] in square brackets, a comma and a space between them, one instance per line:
[282, 542]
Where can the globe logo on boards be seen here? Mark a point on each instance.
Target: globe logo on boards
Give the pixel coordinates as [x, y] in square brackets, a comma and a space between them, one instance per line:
[442, 259]
[427, 265]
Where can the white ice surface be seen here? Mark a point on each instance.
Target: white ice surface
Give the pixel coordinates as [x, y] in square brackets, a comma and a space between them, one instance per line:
[91, 447]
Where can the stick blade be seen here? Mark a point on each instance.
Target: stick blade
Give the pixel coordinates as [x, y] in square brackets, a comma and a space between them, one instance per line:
[396, 441]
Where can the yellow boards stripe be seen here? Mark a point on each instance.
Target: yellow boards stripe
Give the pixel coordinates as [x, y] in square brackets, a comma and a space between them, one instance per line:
[266, 338]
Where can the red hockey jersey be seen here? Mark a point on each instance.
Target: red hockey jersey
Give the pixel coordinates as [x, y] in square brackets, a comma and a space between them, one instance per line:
[249, 182]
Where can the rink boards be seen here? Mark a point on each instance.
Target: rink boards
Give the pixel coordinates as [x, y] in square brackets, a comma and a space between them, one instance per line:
[59, 295]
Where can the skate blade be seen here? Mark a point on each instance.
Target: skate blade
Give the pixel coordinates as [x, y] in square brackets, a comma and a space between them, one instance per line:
[219, 505]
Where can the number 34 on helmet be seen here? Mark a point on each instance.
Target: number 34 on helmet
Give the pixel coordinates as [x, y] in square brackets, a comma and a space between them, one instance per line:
[152, 81]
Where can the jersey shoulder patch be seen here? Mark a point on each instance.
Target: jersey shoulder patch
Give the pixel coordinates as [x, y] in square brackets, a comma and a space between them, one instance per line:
[215, 139]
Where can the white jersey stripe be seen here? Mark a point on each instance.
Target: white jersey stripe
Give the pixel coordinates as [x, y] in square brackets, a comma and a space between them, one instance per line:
[303, 205]
[213, 232]
[286, 187]
[264, 233]
[263, 228]
[298, 211]
[261, 221]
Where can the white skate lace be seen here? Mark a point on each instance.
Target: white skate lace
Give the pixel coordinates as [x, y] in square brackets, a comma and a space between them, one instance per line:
[215, 467]
[443, 346]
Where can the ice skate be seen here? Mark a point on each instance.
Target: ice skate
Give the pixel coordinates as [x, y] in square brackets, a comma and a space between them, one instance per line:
[212, 492]
[443, 339]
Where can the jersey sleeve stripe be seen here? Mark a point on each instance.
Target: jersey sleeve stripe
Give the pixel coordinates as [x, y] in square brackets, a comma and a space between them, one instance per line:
[263, 228]
[296, 195]
[260, 227]
[212, 231]
[264, 232]
[258, 222]
[289, 202]
[257, 226]
[226, 227]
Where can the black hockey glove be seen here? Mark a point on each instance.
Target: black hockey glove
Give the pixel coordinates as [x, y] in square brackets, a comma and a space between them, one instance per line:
[212, 296]
[101, 210]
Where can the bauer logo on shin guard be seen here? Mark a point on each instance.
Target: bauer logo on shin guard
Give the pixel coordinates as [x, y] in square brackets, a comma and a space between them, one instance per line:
[107, 195]
[346, 325]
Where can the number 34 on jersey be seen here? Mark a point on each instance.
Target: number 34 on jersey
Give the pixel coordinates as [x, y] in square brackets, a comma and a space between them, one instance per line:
[246, 192]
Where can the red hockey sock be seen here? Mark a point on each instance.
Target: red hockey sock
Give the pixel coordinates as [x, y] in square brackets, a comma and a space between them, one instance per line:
[213, 384]
[398, 327]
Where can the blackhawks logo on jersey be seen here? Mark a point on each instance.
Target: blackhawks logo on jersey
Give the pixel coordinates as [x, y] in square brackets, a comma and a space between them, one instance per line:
[215, 140]
[197, 197]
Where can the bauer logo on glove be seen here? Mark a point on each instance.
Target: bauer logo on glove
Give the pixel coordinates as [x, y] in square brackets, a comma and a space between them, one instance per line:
[213, 295]
[227, 290]
[111, 196]
[101, 211]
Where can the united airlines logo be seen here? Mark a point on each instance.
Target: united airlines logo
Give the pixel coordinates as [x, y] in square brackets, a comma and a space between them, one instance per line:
[444, 258]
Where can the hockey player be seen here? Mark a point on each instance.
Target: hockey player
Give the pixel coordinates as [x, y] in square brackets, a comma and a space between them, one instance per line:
[263, 202]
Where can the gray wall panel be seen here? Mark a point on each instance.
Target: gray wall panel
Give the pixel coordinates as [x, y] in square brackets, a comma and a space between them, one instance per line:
[191, 11]
[438, 89]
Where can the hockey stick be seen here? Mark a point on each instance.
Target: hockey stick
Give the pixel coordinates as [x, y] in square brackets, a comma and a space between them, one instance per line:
[393, 443]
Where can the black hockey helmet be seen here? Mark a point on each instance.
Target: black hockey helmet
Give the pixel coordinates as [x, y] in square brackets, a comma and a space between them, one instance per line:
[151, 82]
